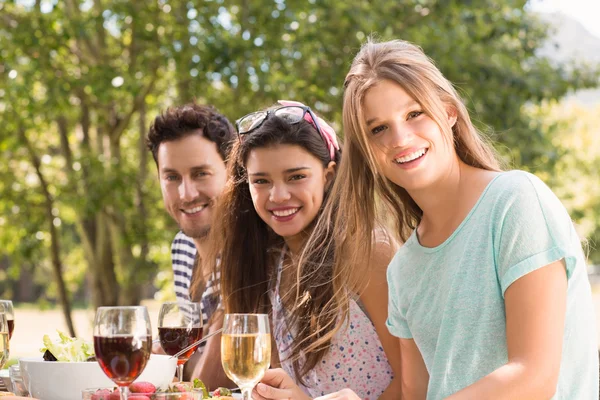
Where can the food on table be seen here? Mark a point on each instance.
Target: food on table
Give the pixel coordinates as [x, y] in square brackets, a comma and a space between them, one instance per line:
[142, 387]
[196, 385]
[221, 392]
[67, 349]
[147, 391]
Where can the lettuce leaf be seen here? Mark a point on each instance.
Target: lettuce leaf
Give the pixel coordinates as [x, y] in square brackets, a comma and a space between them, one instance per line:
[198, 384]
[68, 348]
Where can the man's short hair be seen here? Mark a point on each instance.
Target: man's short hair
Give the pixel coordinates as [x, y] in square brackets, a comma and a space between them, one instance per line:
[178, 122]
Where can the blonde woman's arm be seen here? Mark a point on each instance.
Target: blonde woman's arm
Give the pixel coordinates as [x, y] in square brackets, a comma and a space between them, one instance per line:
[415, 378]
[375, 300]
[535, 322]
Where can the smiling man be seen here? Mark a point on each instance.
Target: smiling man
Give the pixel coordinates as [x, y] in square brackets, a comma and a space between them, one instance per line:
[190, 145]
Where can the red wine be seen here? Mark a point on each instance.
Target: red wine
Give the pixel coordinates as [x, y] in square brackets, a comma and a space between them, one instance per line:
[174, 340]
[11, 327]
[123, 358]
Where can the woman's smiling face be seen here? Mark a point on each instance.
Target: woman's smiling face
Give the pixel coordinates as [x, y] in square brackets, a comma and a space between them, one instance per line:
[287, 185]
[409, 146]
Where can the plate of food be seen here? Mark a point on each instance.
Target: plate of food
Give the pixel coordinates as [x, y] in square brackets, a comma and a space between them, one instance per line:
[195, 390]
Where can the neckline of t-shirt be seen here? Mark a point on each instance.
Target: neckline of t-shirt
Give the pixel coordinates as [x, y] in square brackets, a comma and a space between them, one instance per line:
[415, 240]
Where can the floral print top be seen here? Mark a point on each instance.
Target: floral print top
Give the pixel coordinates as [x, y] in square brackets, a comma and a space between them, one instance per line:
[355, 360]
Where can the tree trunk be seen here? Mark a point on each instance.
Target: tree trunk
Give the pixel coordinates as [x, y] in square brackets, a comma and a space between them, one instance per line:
[98, 251]
[105, 264]
[57, 268]
[142, 175]
[131, 293]
[130, 288]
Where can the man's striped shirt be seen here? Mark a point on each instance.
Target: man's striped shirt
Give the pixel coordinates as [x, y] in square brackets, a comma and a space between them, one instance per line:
[183, 259]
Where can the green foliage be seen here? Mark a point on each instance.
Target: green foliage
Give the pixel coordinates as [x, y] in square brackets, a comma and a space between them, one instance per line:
[81, 80]
[574, 177]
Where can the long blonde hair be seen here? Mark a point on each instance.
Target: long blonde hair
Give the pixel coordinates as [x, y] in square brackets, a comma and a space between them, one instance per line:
[364, 196]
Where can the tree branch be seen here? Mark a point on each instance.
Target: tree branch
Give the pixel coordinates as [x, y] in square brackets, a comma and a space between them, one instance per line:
[100, 33]
[73, 12]
[64, 140]
[139, 100]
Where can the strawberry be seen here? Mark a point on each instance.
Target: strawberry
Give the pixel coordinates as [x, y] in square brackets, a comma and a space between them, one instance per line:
[142, 387]
[115, 395]
[221, 391]
[138, 397]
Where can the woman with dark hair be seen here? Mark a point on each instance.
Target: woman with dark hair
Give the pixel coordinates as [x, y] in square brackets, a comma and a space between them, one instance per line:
[327, 335]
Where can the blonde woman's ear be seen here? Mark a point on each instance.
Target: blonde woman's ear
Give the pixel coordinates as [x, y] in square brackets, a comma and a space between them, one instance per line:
[452, 115]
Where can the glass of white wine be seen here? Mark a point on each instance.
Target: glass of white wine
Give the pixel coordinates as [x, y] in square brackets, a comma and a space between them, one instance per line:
[246, 349]
[4, 353]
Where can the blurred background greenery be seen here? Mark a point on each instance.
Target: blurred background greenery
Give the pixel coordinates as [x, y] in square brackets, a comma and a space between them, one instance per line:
[81, 218]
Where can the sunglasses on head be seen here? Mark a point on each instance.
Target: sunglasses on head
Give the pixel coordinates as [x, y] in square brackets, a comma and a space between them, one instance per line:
[292, 114]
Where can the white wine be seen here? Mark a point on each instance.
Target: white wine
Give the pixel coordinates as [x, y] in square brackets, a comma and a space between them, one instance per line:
[246, 357]
[4, 353]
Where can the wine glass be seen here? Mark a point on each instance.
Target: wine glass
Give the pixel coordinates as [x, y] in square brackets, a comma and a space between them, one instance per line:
[179, 325]
[4, 351]
[246, 349]
[123, 342]
[10, 315]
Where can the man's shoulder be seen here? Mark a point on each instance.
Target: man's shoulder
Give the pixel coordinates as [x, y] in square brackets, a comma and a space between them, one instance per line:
[181, 240]
[183, 255]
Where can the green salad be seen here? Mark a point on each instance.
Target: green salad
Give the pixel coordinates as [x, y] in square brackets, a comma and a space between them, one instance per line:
[67, 349]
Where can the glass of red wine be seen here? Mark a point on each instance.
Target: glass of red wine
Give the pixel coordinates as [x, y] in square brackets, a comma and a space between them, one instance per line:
[179, 326]
[123, 342]
[7, 305]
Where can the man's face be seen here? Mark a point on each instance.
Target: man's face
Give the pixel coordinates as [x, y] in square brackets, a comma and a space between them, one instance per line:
[192, 175]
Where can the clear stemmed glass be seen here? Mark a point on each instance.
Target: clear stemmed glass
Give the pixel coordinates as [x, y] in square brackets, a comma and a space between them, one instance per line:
[179, 325]
[246, 349]
[4, 347]
[10, 315]
[123, 342]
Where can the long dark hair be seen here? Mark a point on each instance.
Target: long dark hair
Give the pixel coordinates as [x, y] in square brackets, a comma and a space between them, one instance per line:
[249, 251]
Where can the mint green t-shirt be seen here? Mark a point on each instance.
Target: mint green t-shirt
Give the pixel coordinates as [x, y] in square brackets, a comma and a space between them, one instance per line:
[450, 298]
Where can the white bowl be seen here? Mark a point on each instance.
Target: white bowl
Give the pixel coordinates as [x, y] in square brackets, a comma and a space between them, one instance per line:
[5, 378]
[54, 380]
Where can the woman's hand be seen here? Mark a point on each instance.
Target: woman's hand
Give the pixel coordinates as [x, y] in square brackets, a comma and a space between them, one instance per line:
[277, 384]
[344, 394]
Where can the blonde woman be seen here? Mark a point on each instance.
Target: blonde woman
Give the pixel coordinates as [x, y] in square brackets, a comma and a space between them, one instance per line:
[489, 296]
